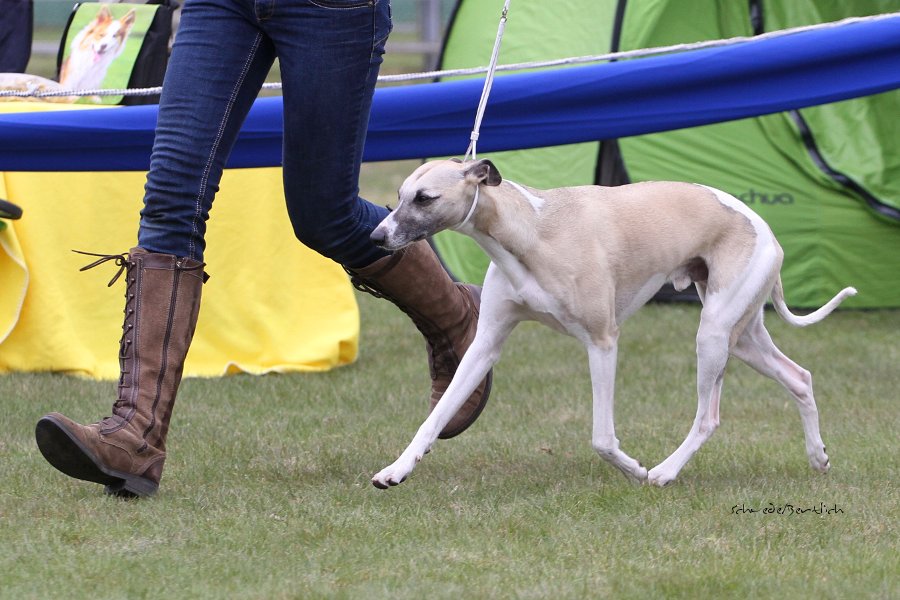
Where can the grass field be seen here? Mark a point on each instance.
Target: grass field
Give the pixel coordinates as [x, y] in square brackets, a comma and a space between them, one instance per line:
[267, 493]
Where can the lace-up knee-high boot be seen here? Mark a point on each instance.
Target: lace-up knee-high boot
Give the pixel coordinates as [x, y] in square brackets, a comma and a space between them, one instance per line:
[446, 313]
[126, 450]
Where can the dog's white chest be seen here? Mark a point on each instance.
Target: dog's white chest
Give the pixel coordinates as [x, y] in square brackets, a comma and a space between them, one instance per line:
[545, 308]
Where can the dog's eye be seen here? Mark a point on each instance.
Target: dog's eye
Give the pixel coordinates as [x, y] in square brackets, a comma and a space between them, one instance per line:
[423, 198]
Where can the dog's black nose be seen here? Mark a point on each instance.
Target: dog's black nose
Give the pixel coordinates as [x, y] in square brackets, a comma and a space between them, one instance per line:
[378, 237]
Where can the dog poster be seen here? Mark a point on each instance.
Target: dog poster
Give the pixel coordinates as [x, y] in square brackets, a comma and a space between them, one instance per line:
[101, 47]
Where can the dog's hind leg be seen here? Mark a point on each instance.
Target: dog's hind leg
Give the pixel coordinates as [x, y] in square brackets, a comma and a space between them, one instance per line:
[756, 348]
[712, 356]
[603, 374]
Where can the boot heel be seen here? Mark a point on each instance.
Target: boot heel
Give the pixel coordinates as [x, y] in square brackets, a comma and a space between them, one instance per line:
[133, 487]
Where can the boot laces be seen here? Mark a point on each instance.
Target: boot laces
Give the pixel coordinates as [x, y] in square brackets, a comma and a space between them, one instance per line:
[363, 286]
[121, 260]
[125, 264]
[443, 359]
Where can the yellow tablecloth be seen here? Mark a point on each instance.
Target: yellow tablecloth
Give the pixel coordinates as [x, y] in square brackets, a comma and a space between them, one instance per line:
[270, 304]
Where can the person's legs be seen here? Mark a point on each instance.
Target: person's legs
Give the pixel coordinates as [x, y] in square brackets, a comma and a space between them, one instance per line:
[219, 62]
[16, 30]
[217, 67]
[329, 78]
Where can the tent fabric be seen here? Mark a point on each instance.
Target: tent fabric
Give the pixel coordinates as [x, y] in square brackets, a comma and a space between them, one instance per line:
[852, 137]
[846, 138]
[526, 110]
[15, 276]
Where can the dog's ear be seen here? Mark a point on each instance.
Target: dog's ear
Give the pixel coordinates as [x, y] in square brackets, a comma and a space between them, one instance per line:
[484, 172]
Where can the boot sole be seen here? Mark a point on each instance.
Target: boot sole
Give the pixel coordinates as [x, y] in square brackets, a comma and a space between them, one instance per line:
[67, 454]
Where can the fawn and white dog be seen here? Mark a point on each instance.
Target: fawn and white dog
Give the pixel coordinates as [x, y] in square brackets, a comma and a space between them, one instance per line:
[94, 49]
[582, 260]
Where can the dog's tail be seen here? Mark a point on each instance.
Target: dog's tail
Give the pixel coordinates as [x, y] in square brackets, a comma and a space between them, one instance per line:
[813, 317]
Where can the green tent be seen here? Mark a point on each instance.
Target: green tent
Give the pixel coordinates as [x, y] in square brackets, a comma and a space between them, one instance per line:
[826, 178]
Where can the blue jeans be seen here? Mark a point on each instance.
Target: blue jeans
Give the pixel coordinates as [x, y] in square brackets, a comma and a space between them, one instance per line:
[329, 53]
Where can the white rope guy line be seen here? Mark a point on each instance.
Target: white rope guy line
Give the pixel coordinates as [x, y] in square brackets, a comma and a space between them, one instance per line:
[36, 93]
[641, 52]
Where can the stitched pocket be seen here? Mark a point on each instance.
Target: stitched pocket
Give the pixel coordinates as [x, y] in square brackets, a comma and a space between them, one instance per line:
[342, 4]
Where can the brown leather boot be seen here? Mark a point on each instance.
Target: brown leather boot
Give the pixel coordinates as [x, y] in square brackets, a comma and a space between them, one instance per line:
[445, 312]
[126, 450]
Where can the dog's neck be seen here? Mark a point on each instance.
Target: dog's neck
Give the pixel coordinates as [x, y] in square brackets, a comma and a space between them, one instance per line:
[505, 226]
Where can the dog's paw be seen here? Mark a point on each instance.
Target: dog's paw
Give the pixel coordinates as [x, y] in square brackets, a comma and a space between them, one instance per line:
[636, 473]
[818, 460]
[383, 480]
[660, 477]
[391, 476]
[640, 475]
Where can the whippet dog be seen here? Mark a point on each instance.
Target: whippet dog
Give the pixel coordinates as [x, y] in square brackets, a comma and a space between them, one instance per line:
[582, 260]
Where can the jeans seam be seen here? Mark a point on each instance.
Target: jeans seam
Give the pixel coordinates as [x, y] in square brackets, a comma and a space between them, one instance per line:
[375, 39]
[204, 180]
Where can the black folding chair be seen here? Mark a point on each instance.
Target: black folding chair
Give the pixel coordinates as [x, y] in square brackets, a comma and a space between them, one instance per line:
[8, 210]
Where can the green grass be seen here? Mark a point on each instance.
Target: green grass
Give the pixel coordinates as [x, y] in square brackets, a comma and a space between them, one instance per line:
[267, 494]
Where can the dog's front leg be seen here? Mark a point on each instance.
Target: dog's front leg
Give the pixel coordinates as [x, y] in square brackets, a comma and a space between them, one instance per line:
[604, 440]
[493, 329]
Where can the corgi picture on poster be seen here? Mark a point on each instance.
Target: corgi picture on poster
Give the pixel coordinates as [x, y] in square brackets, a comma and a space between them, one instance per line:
[94, 49]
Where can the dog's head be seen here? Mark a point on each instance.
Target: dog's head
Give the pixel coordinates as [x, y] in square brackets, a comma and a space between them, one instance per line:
[104, 35]
[438, 195]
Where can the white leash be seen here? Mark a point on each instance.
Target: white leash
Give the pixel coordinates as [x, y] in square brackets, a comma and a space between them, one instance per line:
[482, 104]
[488, 82]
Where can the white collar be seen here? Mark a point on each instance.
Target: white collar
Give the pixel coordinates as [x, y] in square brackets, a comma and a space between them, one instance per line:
[471, 211]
